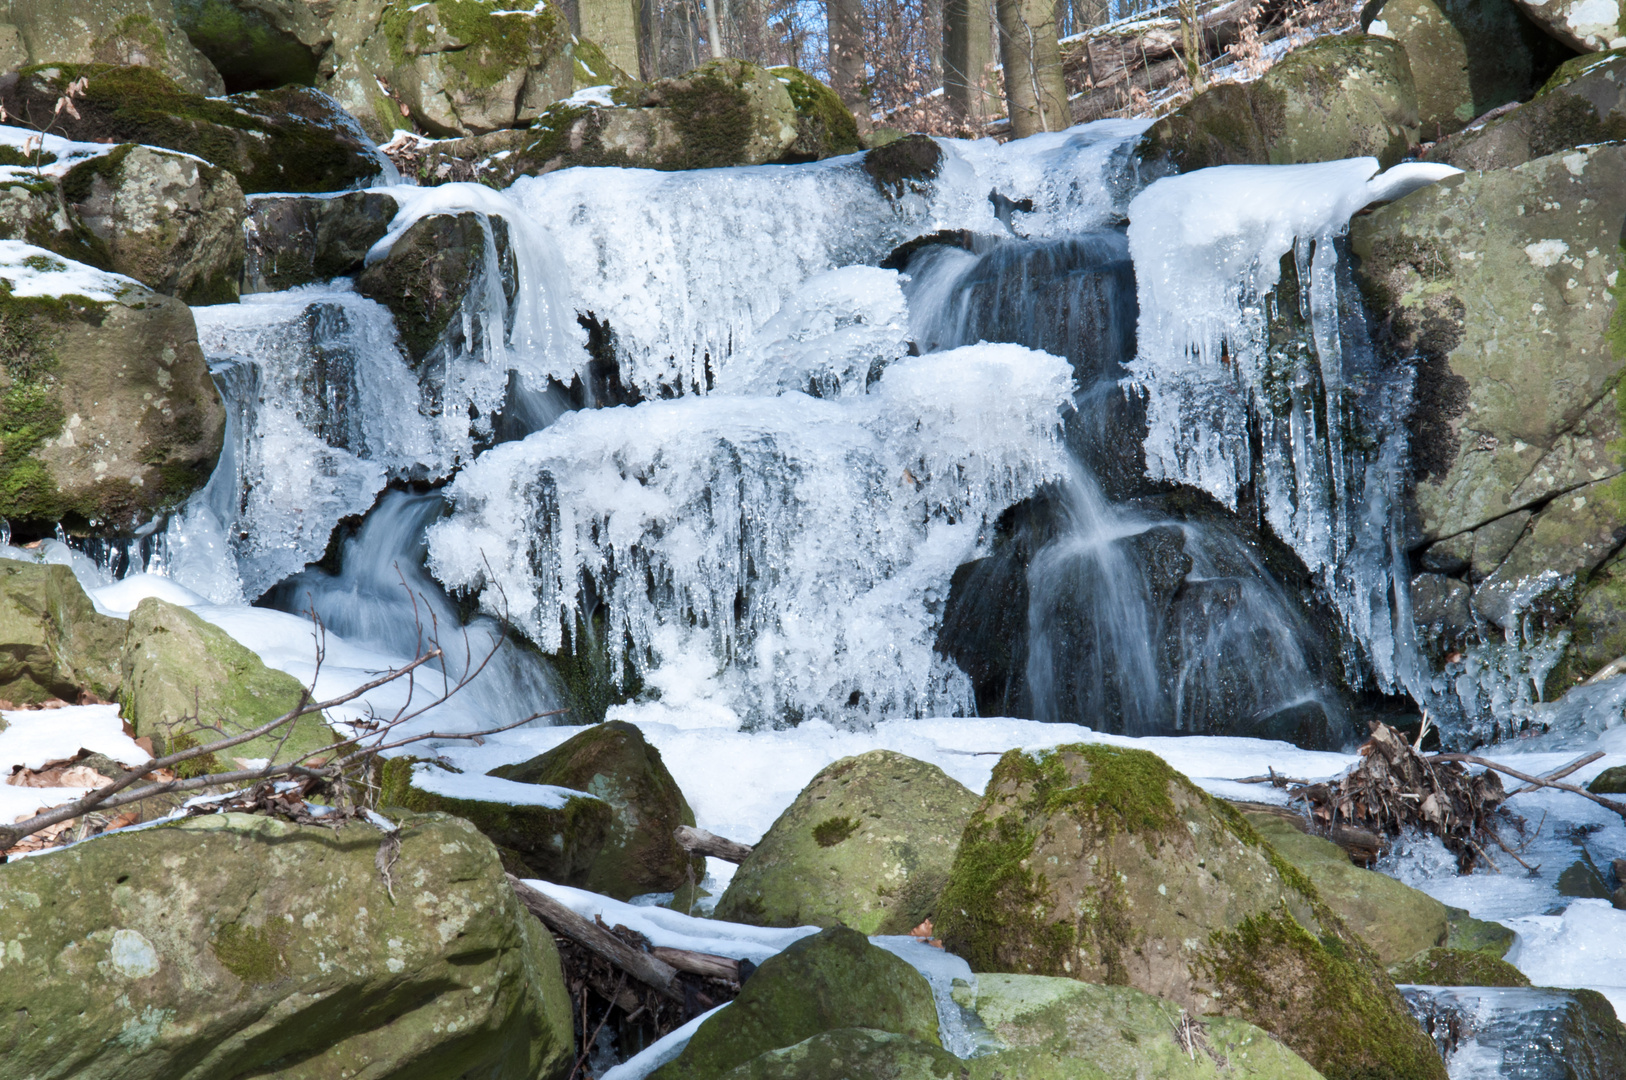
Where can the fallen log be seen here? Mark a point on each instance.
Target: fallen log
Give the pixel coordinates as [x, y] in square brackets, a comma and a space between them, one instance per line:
[709, 965]
[700, 842]
[1362, 846]
[645, 967]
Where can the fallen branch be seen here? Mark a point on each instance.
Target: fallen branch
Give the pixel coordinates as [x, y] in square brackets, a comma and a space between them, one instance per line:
[700, 842]
[711, 966]
[1563, 771]
[646, 968]
[1536, 781]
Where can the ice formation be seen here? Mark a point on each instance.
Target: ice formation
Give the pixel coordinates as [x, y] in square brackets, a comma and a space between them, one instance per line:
[804, 544]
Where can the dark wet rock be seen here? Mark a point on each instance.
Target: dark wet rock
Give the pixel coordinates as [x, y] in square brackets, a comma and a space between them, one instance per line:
[295, 241]
[1612, 781]
[257, 44]
[1523, 1033]
[426, 276]
[1439, 607]
[1581, 879]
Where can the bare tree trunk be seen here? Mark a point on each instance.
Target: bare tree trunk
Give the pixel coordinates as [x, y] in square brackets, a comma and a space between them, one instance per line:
[968, 49]
[679, 38]
[845, 20]
[613, 24]
[1034, 89]
[932, 15]
[714, 33]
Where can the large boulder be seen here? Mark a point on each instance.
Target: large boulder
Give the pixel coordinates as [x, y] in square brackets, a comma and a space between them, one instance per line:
[107, 412]
[830, 981]
[1103, 864]
[1337, 97]
[1584, 25]
[237, 945]
[1395, 920]
[540, 831]
[1583, 103]
[293, 240]
[848, 1053]
[144, 33]
[170, 221]
[290, 140]
[867, 844]
[424, 278]
[56, 644]
[614, 762]
[257, 44]
[450, 67]
[1045, 1028]
[187, 683]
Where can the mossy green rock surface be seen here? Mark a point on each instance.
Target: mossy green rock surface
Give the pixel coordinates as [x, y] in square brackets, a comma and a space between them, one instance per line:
[1612, 781]
[1045, 1028]
[1583, 103]
[235, 945]
[167, 220]
[424, 278]
[615, 762]
[1477, 935]
[186, 679]
[1457, 967]
[107, 411]
[850, 1054]
[1467, 56]
[1396, 921]
[289, 140]
[867, 844]
[257, 44]
[1503, 285]
[832, 980]
[1104, 865]
[127, 32]
[56, 645]
[557, 842]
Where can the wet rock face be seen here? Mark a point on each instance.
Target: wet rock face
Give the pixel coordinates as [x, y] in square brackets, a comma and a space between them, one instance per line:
[193, 950]
[296, 241]
[1583, 103]
[146, 33]
[614, 762]
[290, 140]
[1584, 26]
[1105, 865]
[425, 277]
[57, 645]
[1539, 1033]
[867, 844]
[107, 412]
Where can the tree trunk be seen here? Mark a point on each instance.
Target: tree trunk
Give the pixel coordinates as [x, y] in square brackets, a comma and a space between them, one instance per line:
[714, 32]
[845, 19]
[1034, 90]
[613, 24]
[968, 49]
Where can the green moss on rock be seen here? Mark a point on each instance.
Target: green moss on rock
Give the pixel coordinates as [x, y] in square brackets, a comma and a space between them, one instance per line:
[1457, 967]
[852, 1052]
[825, 127]
[426, 275]
[57, 644]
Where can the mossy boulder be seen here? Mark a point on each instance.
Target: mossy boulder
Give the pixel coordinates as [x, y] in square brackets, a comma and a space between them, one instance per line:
[56, 645]
[615, 762]
[186, 683]
[830, 981]
[902, 165]
[847, 1053]
[550, 833]
[1396, 921]
[824, 126]
[289, 140]
[1457, 967]
[1583, 103]
[1337, 97]
[1477, 935]
[1584, 26]
[423, 279]
[448, 67]
[293, 240]
[1503, 285]
[107, 411]
[144, 33]
[1467, 56]
[1044, 1028]
[867, 844]
[1612, 781]
[168, 220]
[239, 945]
[1105, 865]
[257, 44]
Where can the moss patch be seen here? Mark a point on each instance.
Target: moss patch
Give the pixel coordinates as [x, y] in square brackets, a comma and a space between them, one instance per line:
[832, 831]
[489, 47]
[904, 164]
[1457, 967]
[825, 126]
[254, 954]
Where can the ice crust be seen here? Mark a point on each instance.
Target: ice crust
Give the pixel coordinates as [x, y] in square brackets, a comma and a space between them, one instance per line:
[805, 544]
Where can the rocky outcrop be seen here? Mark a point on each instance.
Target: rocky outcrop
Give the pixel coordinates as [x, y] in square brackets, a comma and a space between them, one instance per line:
[1504, 284]
[1337, 97]
[1584, 25]
[289, 140]
[867, 844]
[1583, 103]
[107, 412]
[167, 220]
[186, 683]
[1040, 1027]
[1467, 56]
[56, 645]
[426, 275]
[1104, 865]
[145, 33]
[236, 945]
[257, 44]
[295, 241]
[616, 763]
[1457, 967]
[548, 833]
[831, 981]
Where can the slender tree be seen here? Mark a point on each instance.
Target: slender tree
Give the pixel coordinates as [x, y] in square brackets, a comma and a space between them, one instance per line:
[1035, 92]
[968, 51]
[845, 32]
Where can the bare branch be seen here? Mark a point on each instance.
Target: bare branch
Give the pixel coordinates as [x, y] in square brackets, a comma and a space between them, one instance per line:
[1536, 781]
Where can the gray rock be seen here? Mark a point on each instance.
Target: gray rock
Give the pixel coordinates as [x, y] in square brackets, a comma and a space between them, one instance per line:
[1566, 540]
[295, 241]
[1523, 1033]
[1584, 102]
[257, 44]
[1439, 604]
[1587, 27]
[1493, 540]
[139, 32]
[57, 645]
